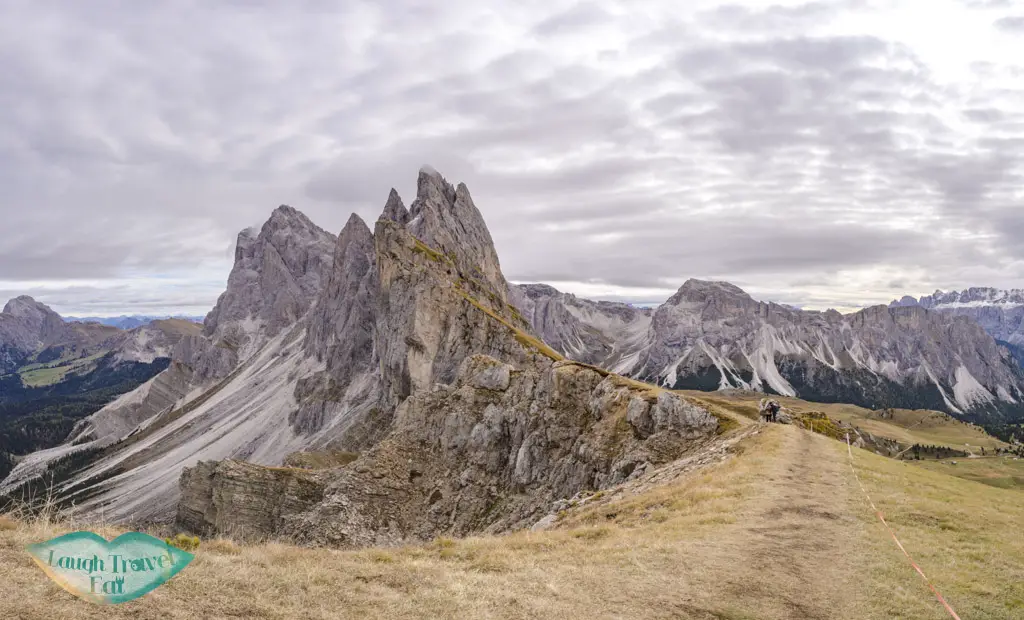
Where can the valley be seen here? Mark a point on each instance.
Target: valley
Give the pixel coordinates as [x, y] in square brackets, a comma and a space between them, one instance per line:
[59, 373]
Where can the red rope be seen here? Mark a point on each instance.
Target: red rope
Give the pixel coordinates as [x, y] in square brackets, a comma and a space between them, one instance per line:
[881, 518]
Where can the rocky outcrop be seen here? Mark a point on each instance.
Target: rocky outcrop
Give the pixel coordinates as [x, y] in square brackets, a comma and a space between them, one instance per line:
[244, 500]
[444, 218]
[489, 452]
[440, 301]
[340, 334]
[479, 424]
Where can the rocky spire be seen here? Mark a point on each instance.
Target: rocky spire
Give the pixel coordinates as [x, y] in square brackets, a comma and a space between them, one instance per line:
[341, 324]
[445, 218]
[395, 209]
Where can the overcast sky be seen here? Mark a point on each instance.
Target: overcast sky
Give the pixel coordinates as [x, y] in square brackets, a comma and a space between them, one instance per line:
[819, 154]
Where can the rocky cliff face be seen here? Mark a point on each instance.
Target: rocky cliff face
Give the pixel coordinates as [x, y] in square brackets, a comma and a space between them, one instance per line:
[278, 272]
[490, 452]
[340, 335]
[231, 391]
[607, 334]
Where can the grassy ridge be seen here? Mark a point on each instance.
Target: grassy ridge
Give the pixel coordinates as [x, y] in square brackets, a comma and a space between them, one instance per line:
[906, 426]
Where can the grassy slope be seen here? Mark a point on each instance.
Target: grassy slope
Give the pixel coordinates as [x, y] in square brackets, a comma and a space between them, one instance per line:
[38, 375]
[1004, 472]
[779, 531]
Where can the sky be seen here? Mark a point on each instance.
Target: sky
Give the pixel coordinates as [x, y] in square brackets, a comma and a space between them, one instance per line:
[820, 154]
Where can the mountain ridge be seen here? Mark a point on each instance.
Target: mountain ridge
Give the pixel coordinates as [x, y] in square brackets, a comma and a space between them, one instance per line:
[713, 335]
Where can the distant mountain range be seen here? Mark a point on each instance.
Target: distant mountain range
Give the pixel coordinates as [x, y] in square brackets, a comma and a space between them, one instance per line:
[712, 335]
[1000, 312]
[129, 322]
[54, 372]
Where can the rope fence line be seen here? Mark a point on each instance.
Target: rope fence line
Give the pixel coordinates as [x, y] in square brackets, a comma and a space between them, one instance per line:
[938, 595]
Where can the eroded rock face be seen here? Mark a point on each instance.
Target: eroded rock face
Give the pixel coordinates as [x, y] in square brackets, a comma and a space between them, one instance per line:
[246, 500]
[277, 274]
[340, 333]
[432, 314]
[485, 455]
[604, 333]
[445, 218]
[207, 360]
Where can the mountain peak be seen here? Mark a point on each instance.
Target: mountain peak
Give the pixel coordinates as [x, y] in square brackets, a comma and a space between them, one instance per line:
[285, 211]
[446, 219]
[276, 275]
[394, 209]
[431, 186]
[699, 289]
[355, 227]
[290, 217]
[25, 306]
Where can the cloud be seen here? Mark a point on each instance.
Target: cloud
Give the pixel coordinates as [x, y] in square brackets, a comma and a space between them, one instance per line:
[1013, 24]
[816, 152]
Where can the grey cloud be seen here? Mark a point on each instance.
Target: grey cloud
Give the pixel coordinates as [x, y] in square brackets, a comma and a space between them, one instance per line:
[735, 143]
[579, 17]
[1012, 24]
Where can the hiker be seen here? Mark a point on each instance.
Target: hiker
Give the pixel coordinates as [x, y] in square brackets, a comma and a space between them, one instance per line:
[769, 410]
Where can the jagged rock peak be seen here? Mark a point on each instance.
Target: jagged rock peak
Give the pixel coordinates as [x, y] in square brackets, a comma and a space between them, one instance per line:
[340, 329]
[445, 218]
[290, 217]
[395, 209]
[355, 225]
[277, 274]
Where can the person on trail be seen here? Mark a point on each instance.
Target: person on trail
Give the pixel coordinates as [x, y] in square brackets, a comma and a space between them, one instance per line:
[769, 410]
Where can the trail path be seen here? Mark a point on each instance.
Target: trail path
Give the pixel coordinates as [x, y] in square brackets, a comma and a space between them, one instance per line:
[800, 542]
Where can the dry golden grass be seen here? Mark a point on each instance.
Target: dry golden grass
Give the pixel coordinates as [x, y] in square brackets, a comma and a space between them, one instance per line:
[1005, 472]
[964, 535]
[779, 530]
